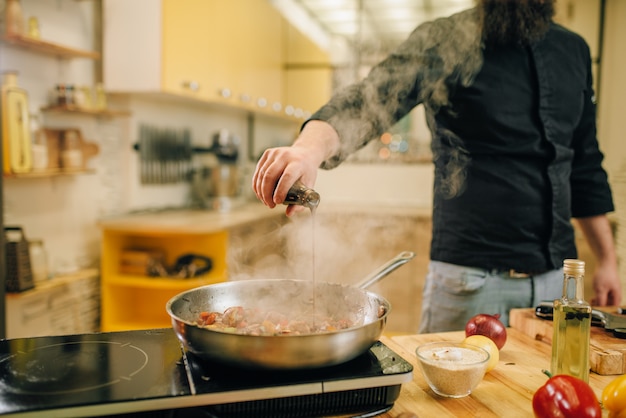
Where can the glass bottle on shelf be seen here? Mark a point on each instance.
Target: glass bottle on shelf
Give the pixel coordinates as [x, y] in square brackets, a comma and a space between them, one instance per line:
[38, 260]
[33, 28]
[101, 98]
[39, 147]
[572, 324]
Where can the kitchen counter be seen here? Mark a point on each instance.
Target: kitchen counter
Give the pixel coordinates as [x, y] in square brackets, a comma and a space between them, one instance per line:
[190, 221]
[419, 212]
[506, 391]
[207, 221]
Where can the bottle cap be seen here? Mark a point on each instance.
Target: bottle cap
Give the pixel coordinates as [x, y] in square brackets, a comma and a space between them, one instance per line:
[573, 266]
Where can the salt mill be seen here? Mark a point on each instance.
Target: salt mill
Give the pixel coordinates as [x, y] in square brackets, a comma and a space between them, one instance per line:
[299, 194]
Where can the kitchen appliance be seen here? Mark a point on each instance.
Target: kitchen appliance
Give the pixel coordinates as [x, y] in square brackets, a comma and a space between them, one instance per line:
[148, 373]
[366, 311]
[215, 178]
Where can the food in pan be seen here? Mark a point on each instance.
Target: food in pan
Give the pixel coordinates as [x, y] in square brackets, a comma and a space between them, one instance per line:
[254, 321]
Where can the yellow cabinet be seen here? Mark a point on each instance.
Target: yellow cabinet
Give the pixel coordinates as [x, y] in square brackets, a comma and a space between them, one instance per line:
[255, 48]
[131, 300]
[211, 50]
[308, 72]
[190, 61]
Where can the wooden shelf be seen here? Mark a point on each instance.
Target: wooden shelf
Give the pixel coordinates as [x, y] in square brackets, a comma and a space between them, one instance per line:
[65, 304]
[131, 301]
[46, 47]
[137, 325]
[88, 112]
[125, 280]
[59, 279]
[54, 172]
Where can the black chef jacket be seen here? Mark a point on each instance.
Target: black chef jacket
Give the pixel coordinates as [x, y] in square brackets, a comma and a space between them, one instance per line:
[513, 139]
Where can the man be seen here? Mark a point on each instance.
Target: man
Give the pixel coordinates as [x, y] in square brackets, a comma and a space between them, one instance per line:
[509, 102]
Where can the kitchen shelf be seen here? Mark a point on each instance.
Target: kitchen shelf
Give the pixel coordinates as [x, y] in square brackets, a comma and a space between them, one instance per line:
[167, 283]
[53, 172]
[133, 301]
[65, 304]
[87, 112]
[135, 325]
[49, 48]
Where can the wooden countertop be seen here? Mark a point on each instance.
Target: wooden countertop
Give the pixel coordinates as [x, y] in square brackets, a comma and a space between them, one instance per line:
[419, 212]
[506, 391]
[190, 221]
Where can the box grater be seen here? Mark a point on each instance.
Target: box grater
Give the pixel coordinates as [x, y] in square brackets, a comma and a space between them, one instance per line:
[19, 276]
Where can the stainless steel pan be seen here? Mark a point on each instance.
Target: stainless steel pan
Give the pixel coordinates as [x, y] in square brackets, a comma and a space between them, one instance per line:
[360, 306]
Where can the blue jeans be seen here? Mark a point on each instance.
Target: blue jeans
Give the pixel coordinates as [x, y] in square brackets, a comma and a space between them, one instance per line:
[453, 294]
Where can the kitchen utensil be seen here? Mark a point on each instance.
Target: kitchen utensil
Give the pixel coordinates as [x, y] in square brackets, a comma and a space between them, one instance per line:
[164, 155]
[600, 318]
[293, 296]
[19, 276]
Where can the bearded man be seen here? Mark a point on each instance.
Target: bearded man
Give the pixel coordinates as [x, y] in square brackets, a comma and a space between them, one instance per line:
[510, 105]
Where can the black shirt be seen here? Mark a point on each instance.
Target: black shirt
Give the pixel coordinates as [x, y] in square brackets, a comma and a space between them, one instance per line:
[513, 138]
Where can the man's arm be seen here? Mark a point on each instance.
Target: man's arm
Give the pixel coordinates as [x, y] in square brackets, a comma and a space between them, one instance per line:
[606, 281]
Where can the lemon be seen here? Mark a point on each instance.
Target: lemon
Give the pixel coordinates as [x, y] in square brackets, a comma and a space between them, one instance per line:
[488, 345]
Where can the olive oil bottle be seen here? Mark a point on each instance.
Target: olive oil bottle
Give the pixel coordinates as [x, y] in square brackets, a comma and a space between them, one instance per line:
[572, 325]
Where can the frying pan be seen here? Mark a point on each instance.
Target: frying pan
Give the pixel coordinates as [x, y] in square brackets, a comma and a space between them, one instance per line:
[367, 310]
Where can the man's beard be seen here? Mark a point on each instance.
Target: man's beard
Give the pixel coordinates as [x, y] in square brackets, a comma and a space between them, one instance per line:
[522, 22]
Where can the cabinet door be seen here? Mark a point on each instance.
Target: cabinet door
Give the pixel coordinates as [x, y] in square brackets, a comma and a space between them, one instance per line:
[308, 72]
[257, 50]
[191, 59]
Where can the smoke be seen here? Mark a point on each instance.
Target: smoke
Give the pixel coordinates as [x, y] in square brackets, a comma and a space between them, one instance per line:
[438, 54]
[328, 247]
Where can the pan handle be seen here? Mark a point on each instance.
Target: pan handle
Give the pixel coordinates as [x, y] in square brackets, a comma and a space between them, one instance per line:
[385, 269]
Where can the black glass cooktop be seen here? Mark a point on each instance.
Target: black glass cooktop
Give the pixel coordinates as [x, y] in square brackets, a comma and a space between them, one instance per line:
[139, 372]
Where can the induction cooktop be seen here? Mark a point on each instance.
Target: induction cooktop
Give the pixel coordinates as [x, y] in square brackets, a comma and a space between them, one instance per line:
[148, 373]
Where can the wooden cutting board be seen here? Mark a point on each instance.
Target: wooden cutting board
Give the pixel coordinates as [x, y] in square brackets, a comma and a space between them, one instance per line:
[506, 391]
[607, 353]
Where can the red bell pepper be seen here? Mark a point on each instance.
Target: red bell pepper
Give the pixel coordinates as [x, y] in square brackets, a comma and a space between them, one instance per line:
[566, 396]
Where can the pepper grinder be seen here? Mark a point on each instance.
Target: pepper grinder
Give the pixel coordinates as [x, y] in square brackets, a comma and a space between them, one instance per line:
[299, 194]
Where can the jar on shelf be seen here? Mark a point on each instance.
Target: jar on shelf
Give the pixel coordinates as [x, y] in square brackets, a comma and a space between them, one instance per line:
[39, 146]
[60, 95]
[71, 152]
[86, 97]
[69, 94]
[38, 260]
[13, 18]
[33, 28]
[101, 98]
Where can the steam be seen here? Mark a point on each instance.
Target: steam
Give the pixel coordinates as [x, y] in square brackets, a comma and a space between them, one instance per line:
[343, 248]
[438, 54]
